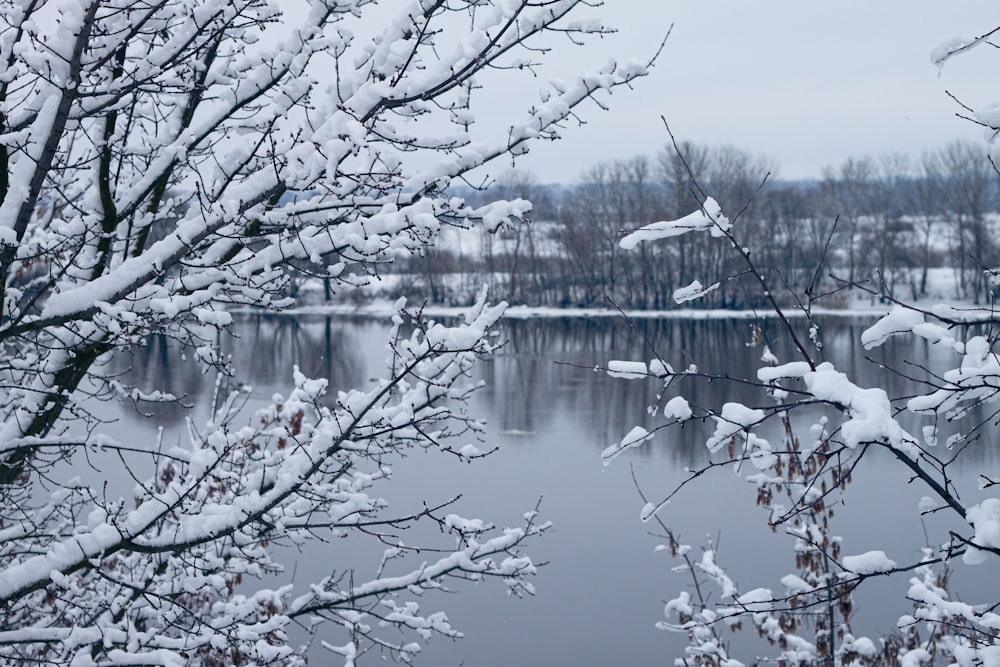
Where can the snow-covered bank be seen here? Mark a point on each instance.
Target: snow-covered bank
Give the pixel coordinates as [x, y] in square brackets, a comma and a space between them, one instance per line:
[387, 309]
[369, 300]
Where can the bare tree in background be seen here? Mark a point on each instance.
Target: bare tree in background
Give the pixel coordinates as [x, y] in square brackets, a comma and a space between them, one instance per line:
[848, 192]
[967, 190]
[928, 202]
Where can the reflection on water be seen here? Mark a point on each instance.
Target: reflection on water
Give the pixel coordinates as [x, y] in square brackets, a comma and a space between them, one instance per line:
[552, 414]
[545, 368]
[262, 355]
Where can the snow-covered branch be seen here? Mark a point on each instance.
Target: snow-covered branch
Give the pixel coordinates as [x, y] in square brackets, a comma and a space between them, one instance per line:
[809, 430]
[166, 161]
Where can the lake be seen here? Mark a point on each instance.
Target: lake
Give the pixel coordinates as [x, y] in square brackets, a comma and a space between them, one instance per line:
[551, 415]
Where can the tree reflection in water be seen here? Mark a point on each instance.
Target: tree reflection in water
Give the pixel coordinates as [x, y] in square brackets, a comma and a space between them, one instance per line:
[548, 367]
[264, 348]
[545, 369]
[552, 415]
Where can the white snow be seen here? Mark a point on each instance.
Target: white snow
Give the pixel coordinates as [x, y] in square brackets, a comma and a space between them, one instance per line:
[870, 411]
[870, 562]
[693, 291]
[949, 48]
[677, 408]
[634, 438]
[899, 320]
[985, 519]
[708, 218]
[629, 370]
[732, 419]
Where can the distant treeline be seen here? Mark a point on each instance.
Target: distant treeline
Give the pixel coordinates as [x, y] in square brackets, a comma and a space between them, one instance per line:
[885, 222]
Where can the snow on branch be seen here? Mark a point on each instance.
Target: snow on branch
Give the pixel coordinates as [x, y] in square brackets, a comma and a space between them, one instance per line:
[797, 434]
[302, 467]
[708, 218]
[168, 163]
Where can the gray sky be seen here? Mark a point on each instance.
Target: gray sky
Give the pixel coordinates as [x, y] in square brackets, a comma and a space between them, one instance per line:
[805, 83]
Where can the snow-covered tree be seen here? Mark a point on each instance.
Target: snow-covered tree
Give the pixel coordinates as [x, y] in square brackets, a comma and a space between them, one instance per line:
[162, 161]
[800, 441]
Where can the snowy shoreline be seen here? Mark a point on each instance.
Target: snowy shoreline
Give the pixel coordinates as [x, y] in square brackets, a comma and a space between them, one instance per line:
[382, 309]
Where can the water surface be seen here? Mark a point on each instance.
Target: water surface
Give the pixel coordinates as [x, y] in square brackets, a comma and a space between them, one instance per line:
[551, 415]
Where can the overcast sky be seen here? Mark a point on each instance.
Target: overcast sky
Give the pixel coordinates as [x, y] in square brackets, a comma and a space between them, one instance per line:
[808, 84]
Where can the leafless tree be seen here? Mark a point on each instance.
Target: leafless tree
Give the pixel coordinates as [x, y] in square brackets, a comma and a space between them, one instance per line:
[162, 162]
